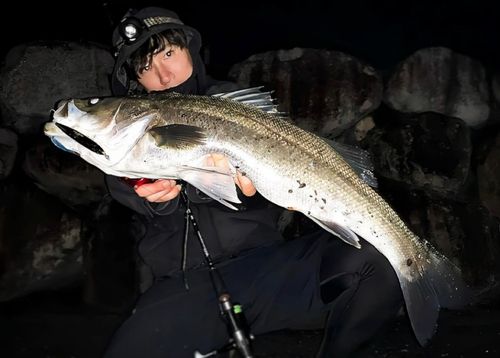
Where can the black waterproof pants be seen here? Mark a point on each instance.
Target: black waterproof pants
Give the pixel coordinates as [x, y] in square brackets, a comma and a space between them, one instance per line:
[304, 283]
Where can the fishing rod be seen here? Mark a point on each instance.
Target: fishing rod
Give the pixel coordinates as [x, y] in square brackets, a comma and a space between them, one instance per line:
[232, 313]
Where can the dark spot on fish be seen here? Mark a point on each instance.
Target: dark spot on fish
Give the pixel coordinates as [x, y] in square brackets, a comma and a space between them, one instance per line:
[315, 192]
[324, 200]
[409, 262]
[308, 213]
[290, 191]
[301, 185]
[243, 173]
[310, 196]
[321, 207]
[316, 200]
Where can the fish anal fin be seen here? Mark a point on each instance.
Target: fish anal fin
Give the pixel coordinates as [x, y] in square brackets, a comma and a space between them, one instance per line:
[342, 232]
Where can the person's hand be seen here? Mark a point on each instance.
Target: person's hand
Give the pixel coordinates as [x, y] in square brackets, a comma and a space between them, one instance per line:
[166, 189]
[158, 191]
[246, 186]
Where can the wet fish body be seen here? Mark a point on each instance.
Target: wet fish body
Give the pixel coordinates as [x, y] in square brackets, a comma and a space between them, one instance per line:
[170, 136]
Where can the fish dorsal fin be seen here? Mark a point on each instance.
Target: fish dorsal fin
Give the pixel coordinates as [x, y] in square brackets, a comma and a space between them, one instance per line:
[254, 96]
[213, 181]
[178, 136]
[342, 232]
[359, 160]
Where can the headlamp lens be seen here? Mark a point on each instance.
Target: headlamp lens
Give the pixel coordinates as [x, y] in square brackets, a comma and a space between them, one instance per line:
[130, 32]
[130, 29]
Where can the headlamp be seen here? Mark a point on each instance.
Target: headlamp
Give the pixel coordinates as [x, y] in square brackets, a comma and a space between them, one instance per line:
[130, 29]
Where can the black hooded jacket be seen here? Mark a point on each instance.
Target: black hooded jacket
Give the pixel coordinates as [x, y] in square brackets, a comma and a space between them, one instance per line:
[227, 233]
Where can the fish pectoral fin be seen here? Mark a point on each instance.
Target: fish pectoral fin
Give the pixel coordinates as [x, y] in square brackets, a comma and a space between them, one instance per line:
[178, 136]
[342, 232]
[215, 182]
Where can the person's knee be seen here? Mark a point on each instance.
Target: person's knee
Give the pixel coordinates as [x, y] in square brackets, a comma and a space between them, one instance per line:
[386, 280]
[342, 268]
[333, 287]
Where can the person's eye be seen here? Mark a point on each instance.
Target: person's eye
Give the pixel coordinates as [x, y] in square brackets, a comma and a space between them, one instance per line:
[169, 53]
[146, 68]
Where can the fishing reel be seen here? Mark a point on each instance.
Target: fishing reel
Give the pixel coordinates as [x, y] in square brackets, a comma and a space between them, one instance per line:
[137, 182]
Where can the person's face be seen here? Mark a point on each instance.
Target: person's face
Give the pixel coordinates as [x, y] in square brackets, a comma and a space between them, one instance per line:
[169, 68]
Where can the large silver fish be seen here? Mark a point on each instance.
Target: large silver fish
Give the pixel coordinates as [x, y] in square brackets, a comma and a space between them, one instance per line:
[171, 136]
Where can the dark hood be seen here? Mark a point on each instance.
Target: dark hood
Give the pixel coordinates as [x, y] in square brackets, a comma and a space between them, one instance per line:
[152, 21]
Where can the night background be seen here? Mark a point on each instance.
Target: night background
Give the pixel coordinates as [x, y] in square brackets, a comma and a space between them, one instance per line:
[380, 32]
[55, 324]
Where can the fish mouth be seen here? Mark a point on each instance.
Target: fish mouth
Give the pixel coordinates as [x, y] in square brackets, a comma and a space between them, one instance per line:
[81, 139]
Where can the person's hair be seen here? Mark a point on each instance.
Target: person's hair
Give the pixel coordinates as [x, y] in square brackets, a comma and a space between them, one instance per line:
[143, 56]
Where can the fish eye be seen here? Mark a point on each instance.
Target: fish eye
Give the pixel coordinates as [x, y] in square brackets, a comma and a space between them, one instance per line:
[93, 100]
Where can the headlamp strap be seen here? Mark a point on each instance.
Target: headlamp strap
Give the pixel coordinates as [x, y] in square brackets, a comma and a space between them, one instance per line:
[159, 20]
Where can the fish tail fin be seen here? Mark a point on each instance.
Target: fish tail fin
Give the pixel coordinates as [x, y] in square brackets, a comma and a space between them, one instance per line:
[422, 307]
[441, 285]
[448, 282]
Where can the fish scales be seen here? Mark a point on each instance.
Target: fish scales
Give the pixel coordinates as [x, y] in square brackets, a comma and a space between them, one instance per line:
[289, 166]
[346, 184]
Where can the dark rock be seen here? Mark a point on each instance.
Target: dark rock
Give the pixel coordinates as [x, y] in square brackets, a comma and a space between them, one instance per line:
[8, 151]
[440, 80]
[37, 75]
[64, 175]
[322, 91]
[40, 244]
[428, 151]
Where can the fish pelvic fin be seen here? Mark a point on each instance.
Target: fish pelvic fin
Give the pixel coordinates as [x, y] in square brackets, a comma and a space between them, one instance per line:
[342, 232]
[214, 182]
[438, 284]
[179, 136]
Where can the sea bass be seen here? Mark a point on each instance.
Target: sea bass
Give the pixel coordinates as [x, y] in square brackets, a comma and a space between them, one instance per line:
[172, 135]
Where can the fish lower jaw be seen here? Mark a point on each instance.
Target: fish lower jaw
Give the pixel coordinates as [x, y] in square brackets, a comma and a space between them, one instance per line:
[50, 129]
